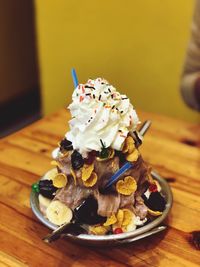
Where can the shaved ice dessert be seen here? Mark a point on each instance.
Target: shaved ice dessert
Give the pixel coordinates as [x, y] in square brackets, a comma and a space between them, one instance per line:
[88, 166]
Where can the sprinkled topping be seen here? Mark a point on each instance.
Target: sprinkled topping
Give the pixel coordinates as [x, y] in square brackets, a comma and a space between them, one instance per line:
[96, 105]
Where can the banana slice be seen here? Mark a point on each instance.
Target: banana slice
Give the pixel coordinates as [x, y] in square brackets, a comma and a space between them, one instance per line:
[58, 213]
[131, 226]
[50, 174]
[43, 203]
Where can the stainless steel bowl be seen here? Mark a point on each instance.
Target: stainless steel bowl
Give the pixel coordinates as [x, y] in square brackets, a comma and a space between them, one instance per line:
[110, 240]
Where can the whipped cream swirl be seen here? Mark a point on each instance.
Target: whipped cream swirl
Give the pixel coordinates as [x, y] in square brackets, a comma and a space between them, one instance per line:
[99, 112]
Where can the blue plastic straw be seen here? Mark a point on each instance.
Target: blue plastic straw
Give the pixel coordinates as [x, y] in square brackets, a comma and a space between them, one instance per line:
[74, 77]
[117, 175]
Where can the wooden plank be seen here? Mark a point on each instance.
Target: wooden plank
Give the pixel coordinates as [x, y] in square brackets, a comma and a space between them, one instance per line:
[20, 205]
[10, 261]
[29, 234]
[171, 146]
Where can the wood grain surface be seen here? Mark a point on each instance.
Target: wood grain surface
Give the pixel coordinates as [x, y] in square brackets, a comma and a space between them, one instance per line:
[171, 147]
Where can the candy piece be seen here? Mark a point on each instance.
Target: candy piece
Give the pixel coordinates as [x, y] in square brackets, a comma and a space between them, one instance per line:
[153, 188]
[154, 213]
[133, 156]
[73, 175]
[98, 230]
[65, 145]
[155, 202]
[104, 151]
[91, 181]
[35, 187]
[118, 231]
[87, 171]
[60, 180]
[47, 189]
[126, 186]
[111, 220]
[76, 160]
[58, 213]
[128, 216]
[110, 155]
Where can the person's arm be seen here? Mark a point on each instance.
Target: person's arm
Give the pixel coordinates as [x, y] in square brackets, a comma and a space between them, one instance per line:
[190, 82]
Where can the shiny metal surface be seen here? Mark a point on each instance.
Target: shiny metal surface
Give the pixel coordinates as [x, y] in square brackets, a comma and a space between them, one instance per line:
[110, 240]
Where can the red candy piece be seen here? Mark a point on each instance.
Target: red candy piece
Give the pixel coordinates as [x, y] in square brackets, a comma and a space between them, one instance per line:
[153, 188]
[118, 231]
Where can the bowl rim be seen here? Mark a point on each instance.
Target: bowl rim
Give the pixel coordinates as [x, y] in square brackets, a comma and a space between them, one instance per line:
[165, 188]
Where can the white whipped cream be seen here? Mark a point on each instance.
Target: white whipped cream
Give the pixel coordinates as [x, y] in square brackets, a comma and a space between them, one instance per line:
[99, 112]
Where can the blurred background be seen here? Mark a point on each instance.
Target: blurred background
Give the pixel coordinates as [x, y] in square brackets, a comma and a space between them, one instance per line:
[137, 45]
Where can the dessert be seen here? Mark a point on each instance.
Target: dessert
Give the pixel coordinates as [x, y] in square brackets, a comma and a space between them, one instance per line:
[100, 179]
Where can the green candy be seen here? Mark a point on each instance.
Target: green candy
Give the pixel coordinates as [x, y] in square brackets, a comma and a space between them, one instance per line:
[104, 153]
[35, 187]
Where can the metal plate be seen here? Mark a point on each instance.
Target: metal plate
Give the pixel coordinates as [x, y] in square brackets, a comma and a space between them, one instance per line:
[110, 240]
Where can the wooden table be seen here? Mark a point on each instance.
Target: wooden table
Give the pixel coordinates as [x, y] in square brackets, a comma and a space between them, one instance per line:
[171, 146]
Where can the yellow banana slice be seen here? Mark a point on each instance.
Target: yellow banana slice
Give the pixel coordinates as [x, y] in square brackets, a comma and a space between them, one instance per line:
[58, 213]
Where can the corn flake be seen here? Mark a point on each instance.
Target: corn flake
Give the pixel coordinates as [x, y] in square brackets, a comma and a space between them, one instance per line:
[126, 186]
[55, 163]
[110, 220]
[120, 217]
[128, 216]
[98, 230]
[73, 175]
[111, 153]
[91, 181]
[60, 180]
[87, 171]
[133, 156]
[129, 145]
[124, 219]
[154, 213]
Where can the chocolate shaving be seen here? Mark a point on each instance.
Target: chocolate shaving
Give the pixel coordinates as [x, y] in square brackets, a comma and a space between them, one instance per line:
[195, 239]
[99, 97]
[123, 98]
[109, 90]
[88, 94]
